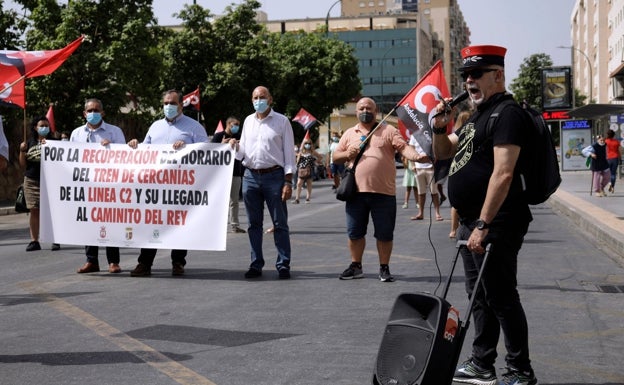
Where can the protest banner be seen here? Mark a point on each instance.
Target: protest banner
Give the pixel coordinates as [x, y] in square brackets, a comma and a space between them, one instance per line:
[152, 196]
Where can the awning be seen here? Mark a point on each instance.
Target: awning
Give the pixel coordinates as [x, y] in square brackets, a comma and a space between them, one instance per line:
[595, 111]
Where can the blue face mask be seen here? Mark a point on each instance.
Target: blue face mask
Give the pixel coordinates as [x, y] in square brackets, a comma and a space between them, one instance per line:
[170, 110]
[43, 130]
[307, 146]
[234, 129]
[261, 105]
[94, 117]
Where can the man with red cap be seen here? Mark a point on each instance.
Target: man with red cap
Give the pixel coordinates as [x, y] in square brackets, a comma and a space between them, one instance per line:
[487, 193]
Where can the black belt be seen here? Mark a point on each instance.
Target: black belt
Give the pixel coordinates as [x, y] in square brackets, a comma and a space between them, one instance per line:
[265, 170]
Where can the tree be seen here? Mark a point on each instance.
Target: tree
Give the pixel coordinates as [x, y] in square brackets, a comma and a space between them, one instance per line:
[118, 62]
[528, 85]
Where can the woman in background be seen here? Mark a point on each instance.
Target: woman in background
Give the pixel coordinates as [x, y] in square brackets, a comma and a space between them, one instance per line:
[30, 159]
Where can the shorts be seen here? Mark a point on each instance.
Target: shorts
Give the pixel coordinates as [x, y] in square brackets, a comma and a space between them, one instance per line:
[337, 169]
[31, 192]
[424, 181]
[382, 210]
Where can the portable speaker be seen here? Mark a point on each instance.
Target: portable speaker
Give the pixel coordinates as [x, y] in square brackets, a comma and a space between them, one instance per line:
[417, 324]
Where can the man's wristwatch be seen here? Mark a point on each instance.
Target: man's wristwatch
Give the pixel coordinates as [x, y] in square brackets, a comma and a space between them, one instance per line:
[480, 224]
[439, 130]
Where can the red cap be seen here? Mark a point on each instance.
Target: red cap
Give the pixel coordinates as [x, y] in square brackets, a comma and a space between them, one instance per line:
[482, 55]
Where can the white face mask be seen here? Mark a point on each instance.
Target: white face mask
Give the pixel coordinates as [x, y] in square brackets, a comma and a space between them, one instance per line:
[170, 110]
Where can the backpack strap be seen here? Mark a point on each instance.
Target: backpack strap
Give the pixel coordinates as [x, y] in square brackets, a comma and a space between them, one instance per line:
[494, 115]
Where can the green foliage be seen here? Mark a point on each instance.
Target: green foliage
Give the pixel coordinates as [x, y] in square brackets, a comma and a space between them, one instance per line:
[527, 86]
[118, 62]
[127, 61]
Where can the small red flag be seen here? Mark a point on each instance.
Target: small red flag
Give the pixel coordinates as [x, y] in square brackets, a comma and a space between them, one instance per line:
[50, 116]
[304, 118]
[192, 99]
[219, 127]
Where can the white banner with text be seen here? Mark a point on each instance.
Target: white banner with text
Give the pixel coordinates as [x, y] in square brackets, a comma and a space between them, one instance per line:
[149, 197]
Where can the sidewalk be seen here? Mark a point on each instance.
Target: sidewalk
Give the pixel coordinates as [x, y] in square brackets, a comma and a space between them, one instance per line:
[601, 218]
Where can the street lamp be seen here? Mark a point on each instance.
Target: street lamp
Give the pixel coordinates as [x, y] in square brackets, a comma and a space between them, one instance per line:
[327, 18]
[589, 65]
[383, 59]
[332, 109]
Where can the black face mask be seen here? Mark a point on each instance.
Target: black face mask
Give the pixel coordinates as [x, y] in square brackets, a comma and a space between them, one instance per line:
[366, 117]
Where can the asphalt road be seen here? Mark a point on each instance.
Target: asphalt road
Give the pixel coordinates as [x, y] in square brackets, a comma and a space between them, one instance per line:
[214, 327]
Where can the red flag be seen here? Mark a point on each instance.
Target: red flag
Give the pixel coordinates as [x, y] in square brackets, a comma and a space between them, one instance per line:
[192, 99]
[54, 59]
[12, 94]
[305, 118]
[15, 66]
[305, 138]
[219, 127]
[413, 110]
[50, 116]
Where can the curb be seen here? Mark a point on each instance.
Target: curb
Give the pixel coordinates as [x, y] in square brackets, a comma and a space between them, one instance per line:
[8, 210]
[601, 226]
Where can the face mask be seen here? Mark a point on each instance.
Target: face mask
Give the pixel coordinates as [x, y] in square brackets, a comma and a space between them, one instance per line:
[366, 117]
[94, 117]
[64, 140]
[43, 130]
[234, 129]
[335, 139]
[171, 111]
[261, 105]
[307, 146]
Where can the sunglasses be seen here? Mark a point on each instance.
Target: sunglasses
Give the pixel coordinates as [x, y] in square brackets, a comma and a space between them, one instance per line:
[476, 73]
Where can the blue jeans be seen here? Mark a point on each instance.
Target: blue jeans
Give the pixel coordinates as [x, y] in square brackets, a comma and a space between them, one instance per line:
[259, 189]
[613, 165]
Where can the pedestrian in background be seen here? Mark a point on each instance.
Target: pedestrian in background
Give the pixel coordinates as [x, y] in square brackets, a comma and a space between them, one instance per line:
[30, 159]
[409, 182]
[601, 174]
[306, 162]
[425, 181]
[488, 196]
[96, 130]
[267, 150]
[614, 157]
[336, 169]
[375, 176]
[176, 129]
[232, 131]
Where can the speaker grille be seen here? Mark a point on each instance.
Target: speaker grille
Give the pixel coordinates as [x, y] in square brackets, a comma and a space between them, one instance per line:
[403, 354]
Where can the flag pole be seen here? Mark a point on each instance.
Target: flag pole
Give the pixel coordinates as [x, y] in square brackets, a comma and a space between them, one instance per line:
[25, 125]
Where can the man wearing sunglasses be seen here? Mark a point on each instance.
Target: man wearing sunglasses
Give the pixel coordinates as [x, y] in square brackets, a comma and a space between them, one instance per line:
[487, 194]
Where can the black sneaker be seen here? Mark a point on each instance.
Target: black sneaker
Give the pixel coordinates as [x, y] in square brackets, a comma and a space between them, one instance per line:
[352, 272]
[384, 274]
[141, 270]
[470, 373]
[283, 274]
[253, 273]
[177, 269]
[517, 377]
[33, 246]
[55, 247]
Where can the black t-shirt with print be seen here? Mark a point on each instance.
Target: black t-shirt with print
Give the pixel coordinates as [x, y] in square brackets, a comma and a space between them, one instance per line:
[474, 162]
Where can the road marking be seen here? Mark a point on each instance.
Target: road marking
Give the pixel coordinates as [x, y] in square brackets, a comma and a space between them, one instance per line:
[174, 370]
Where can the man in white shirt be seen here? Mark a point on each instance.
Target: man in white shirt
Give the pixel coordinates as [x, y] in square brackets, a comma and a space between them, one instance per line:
[96, 130]
[267, 151]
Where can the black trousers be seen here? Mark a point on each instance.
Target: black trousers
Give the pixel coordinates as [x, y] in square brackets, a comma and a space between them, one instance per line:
[112, 254]
[147, 256]
[497, 304]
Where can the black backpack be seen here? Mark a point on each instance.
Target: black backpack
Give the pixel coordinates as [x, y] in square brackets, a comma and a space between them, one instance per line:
[538, 164]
